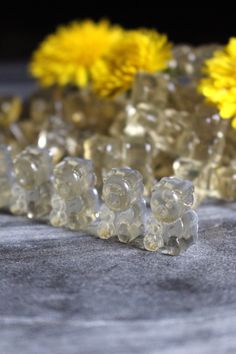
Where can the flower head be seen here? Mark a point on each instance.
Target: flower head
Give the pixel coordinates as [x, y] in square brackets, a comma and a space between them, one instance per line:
[66, 56]
[140, 50]
[219, 85]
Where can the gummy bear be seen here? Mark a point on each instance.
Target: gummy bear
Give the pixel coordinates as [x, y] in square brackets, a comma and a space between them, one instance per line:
[32, 188]
[75, 198]
[124, 212]
[172, 226]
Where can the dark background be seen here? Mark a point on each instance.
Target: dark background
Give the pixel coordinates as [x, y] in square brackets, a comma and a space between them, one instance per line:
[23, 26]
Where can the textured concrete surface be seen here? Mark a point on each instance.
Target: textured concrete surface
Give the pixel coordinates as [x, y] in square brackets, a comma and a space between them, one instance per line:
[62, 292]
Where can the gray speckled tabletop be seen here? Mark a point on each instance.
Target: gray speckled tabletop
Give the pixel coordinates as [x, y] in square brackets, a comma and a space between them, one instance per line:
[62, 292]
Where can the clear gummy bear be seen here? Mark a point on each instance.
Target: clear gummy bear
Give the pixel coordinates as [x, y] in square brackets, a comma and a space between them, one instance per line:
[75, 198]
[124, 211]
[6, 176]
[172, 226]
[31, 191]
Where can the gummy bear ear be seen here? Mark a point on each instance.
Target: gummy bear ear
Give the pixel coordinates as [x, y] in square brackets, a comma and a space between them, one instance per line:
[188, 198]
[186, 190]
[110, 173]
[139, 175]
[158, 184]
[93, 179]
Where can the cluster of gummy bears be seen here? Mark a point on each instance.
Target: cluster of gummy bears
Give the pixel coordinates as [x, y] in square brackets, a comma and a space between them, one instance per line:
[65, 195]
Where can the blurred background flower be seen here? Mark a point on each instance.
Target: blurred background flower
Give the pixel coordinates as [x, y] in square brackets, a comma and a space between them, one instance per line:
[140, 50]
[219, 85]
[67, 56]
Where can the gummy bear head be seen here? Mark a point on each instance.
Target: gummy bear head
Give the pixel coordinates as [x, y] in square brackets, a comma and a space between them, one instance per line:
[170, 198]
[72, 177]
[32, 167]
[122, 186]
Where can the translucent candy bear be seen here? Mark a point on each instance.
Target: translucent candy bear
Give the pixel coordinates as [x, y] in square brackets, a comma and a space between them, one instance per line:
[6, 176]
[32, 188]
[124, 210]
[75, 198]
[172, 226]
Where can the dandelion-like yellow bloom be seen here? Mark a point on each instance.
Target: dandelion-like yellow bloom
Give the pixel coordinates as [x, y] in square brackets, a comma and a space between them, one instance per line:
[219, 86]
[66, 56]
[140, 50]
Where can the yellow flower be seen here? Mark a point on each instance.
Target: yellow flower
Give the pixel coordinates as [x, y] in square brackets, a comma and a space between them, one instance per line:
[219, 85]
[140, 50]
[66, 56]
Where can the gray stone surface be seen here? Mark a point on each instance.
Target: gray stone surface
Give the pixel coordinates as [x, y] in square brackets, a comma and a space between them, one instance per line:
[63, 292]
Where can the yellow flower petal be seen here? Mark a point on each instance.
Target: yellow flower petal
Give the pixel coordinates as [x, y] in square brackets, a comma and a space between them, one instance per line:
[140, 50]
[233, 123]
[66, 56]
[227, 110]
[231, 47]
[219, 85]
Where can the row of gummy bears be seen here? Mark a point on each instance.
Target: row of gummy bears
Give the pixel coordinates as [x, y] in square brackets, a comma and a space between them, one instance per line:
[65, 196]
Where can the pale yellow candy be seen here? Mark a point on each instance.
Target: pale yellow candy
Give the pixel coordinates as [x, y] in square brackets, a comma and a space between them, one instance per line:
[75, 199]
[172, 226]
[32, 186]
[124, 213]
[6, 176]
[10, 110]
